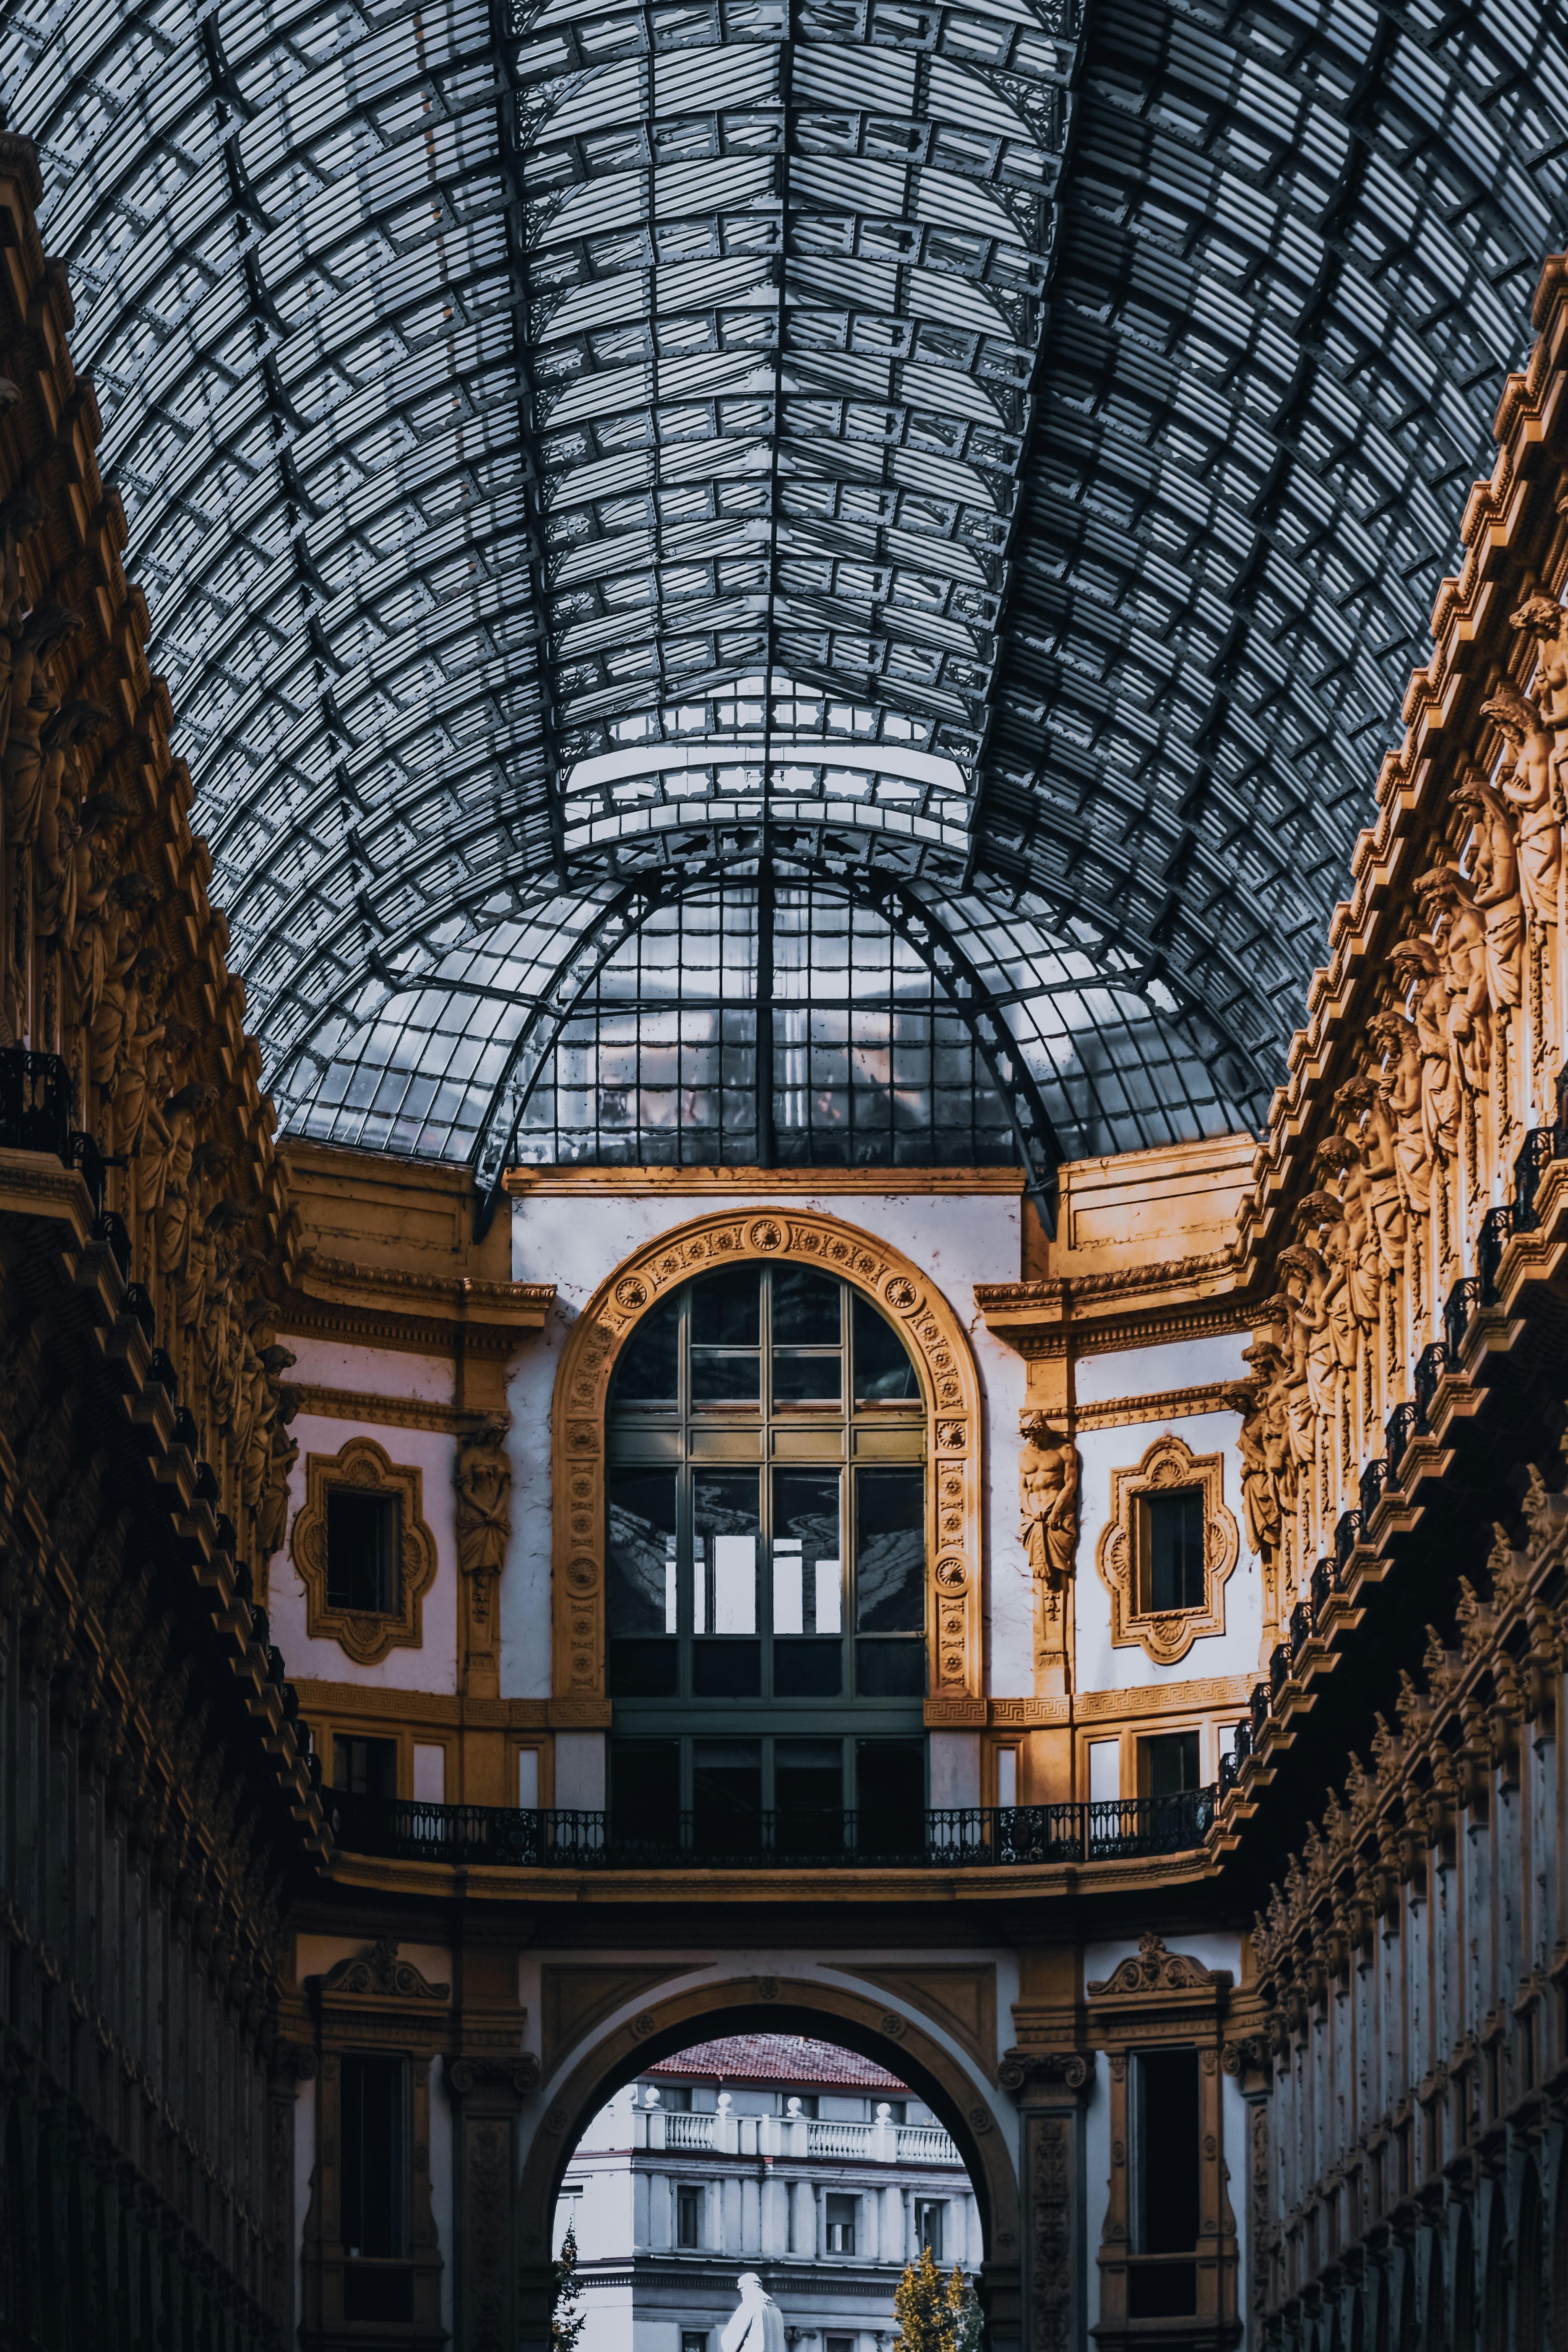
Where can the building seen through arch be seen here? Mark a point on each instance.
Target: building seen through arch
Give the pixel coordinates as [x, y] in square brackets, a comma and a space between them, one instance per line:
[783, 1110]
[812, 2166]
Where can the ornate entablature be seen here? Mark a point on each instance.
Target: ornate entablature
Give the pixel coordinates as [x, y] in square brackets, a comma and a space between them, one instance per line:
[950, 1391]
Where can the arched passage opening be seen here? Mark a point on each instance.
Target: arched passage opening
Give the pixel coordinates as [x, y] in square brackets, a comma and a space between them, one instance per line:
[956, 2097]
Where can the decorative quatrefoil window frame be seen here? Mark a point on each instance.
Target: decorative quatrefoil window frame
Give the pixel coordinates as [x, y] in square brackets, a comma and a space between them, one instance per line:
[365, 1636]
[1166, 1636]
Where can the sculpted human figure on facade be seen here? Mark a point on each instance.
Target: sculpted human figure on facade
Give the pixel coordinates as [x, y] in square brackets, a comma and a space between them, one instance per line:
[1312, 1360]
[1049, 1472]
[1494, 888]
[1529, 780]
[1398, 1085]
[1420, 979]
[1459, 943]
[1322, 1223]
[482, 1478]
[1546, 620]
[34, 699]
[1362, 1106]
[1260, 1483]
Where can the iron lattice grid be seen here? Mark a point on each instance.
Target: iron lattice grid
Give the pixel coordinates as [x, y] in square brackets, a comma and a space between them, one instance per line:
[993, 459]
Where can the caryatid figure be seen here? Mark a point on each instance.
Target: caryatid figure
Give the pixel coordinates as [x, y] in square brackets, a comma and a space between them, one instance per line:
[1049, 1473]
[1530, 781]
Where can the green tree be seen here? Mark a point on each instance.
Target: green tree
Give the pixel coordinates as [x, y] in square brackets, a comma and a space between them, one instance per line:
[566, 2321]
[934, 2313]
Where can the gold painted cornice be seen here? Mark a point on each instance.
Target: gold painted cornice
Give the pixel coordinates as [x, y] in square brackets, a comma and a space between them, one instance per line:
[427, 1314]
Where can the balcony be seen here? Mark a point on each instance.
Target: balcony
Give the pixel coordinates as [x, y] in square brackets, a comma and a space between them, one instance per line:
[808, 2136]
[964, 1837]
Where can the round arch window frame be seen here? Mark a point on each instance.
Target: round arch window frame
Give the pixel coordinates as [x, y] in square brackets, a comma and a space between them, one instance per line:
[950, 1395]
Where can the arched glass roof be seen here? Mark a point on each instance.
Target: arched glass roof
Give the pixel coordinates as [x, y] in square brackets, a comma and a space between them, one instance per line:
[989, 463]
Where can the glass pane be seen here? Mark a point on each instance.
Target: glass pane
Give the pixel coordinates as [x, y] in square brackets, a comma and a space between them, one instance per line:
[891, 1795]
[884, 1373]
[645, 1791]
[807, 1308]
[891, 1669]
[889, 1551]
[727, 1669]
[639, 1583]
[726, 1528]
[808, 1772]
[644, 1669]
[808, 1668]
[373, 2159]
[807, 1556]
[807, 1380]
[649, 1370]
[727, 1795]
[726, 1310]
[725, 1376]
[1175, 1524]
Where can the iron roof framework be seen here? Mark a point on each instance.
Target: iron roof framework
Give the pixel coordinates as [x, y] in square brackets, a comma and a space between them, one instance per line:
[992, 461]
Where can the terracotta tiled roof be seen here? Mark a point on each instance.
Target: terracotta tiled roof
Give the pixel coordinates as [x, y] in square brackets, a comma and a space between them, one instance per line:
[776, 2058]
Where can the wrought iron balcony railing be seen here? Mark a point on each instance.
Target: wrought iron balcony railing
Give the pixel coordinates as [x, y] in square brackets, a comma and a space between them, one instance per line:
[948, 1837]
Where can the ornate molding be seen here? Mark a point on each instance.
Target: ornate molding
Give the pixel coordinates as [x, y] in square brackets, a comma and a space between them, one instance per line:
[1154, 1969]
[1169, 1404]
[950, 1391]
[361, 1464]
[1164, 1636]
[380, 1973]
[702, 1183]
[1072, 2069]
[382, 1412]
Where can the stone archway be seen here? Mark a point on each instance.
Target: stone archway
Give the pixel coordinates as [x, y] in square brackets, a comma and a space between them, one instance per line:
[603, 2061]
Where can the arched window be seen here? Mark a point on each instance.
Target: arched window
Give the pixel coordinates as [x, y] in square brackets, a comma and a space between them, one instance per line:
[1494, 2286]
[765, 1571]
[1464, 2331]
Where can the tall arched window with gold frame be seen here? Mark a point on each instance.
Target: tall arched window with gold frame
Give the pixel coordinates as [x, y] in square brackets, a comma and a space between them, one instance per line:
[765, 1571]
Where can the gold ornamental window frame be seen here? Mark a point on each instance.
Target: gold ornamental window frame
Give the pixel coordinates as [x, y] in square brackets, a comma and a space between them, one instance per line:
[360, 1466]
[949, 1396]
[1168, 1467]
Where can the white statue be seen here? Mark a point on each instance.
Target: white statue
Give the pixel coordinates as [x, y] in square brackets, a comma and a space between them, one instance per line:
[758, 2325]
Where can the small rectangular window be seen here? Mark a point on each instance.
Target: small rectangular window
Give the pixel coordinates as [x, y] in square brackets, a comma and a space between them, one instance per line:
[689, 2220]
[374, 2157]
[841, 2224]
[362, 1551]
[1170, 1764]
[365, 1768]
[693, 2339]
[841, 2344]
[1174, 1555]
[929, 2217]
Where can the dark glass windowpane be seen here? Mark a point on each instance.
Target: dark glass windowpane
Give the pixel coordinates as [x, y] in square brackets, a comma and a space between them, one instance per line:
[647, 1374]
[644, 1669]
[727, 1794]
[722, 1669]
[889, 1669]
[639, 1583]
[645, 1791]
[727, 1530]
[806, 1307]
[1166, 2125]
[809, 1668]
[1175, 1525]
[373, 2157]
[807, 1380]
[362, 1551]
[889, 1551]
[1171, 1763]
[891, 1795]
[883, 1370]
[722, 1376]
[365, 1768]
[726, 1309]
[808, 1775]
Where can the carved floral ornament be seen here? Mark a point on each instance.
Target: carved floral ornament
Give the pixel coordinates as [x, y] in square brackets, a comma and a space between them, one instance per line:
[365, 1637]
[1167, 1637]
[949, 1388]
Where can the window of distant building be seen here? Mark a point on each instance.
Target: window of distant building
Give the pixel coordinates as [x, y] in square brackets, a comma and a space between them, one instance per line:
[840, 2223]
[929, 2216]
[766, 1570]
[689, 2216]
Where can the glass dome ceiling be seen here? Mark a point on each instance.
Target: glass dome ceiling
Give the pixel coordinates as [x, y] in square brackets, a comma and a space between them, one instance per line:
[982, 467]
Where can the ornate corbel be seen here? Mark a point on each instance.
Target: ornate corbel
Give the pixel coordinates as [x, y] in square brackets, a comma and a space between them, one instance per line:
[1072, 2069]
